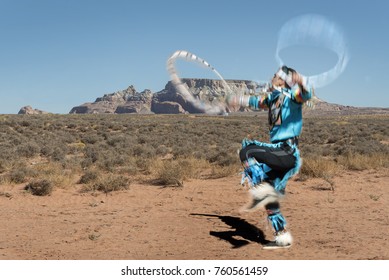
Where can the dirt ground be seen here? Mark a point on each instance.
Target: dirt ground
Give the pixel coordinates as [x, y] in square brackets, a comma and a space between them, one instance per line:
[201, 220]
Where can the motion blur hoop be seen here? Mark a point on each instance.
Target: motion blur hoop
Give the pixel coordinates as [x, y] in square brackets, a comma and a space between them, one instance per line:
[318, 31]
[216, 107]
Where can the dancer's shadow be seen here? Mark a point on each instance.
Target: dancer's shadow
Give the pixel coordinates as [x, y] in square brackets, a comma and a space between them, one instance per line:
[240, 228]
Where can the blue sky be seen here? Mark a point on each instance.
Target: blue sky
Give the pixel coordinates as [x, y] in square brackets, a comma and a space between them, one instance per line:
[58, 54]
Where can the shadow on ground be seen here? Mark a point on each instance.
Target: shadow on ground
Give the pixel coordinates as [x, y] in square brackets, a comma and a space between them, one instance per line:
[241, 233]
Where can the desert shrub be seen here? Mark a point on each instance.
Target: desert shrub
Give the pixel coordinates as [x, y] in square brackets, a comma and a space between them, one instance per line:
[58, 154]
[18, 176]
[2, 166]
[200, 154]
[171, 173]
[25, 123]
[143, 164]
[86, 163]
[183, 150]
[142, 139]
[193, 168]
[110, 183]
[145, 151]
[63, 136]
[40, 187]
[318, 167]
[361, 162]
[72, 164]
[174, 172]
[71, 125]
[369, 147]
[218, 171]
[27, 150]
[56, 173]
[116, 140]
[7, 154]
[162, 150]
[110, 161]
[89, 139]
[75, 148]
[332, 139]
[47, 150]
[88, 177]
[91, 154]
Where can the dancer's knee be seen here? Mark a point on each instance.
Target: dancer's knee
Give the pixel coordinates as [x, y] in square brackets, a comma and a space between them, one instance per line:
[243, 154]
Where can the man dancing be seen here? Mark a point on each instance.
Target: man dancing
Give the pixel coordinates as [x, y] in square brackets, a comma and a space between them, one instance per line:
[268, 166]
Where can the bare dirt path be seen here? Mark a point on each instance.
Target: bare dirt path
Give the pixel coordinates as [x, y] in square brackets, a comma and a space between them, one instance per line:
[201, 220]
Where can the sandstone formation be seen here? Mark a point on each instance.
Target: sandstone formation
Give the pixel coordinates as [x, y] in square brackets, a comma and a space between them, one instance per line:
[166, 101]
[28, 110]
[125, 101]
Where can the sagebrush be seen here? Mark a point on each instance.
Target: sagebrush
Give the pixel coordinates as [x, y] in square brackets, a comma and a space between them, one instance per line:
[169, 149]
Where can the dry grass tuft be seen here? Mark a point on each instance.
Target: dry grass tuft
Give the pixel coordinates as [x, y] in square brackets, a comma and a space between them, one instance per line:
[319, 168]
[170, 173]
[362, 162]
[108, 183]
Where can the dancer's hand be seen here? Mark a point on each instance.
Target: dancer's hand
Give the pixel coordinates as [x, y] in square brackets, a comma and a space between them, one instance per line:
[297, 78]
[300, 80]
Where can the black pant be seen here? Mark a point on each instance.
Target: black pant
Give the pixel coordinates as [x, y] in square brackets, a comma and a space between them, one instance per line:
[280, 160]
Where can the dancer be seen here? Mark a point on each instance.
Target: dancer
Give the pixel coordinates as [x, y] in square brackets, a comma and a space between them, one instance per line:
[268, 166]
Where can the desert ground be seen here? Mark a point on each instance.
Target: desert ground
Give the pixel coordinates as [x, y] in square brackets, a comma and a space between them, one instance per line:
[200, 220]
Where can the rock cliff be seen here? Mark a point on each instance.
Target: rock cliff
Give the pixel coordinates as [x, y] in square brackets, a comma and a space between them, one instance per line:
[125, 101]
[166, 101]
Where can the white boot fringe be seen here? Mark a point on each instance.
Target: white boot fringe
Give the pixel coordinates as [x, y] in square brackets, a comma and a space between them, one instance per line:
[260, 196]
[284, 239]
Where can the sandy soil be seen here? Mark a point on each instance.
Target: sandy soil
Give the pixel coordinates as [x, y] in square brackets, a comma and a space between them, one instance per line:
[201, 220]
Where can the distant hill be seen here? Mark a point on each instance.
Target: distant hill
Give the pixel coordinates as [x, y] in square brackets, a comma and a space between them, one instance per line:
[324, 108]
[168, 101]
[120, 102]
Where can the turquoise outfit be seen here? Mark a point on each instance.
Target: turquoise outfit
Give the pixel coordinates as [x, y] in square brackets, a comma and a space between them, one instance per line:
[278, 161]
